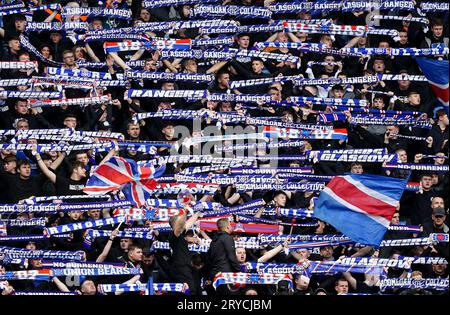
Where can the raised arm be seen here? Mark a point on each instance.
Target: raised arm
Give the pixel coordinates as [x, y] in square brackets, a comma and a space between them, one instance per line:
[91, 53]
[58, 161]
[271, 253]
[50, 175]
[351, 281]
[107, 248]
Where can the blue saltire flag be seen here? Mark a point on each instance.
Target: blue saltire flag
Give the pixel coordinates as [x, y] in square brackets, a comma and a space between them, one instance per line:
[436, 71]
[360, 206]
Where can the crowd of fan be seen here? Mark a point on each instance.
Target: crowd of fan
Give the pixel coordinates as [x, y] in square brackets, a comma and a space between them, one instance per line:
[23, 174]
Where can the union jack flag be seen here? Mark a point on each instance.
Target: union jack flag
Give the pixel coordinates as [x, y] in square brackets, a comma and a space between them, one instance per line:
[117, 172]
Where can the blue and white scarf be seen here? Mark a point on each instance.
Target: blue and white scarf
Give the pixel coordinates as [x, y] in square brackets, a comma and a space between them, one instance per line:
[5, 94]
[410, 283]
[189, 77]
[81, 73]
[97, 11]
[135, 287]
[47, 254]
[92, 272]
[56, 26]
[417, 167]
[39, 222]
[233, 10]
[26, 45]
[168, 3]
[82, 225]
[18, 65]
[311, 186]
[9, 10]
[121, 234]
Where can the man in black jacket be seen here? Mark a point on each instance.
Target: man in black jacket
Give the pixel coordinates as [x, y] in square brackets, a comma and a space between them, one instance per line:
[222, 251]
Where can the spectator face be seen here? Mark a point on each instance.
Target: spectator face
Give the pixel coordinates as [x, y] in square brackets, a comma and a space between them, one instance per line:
[97, 25]
[70, 122]
[357, 169]
[403, 38]
[287, 117]
[69, 59]
[168, 132]
[282, 37]
[426, 182]
[244, 42]
[25, 171]
[24, 57]
[20, 25]
[437, 30]
[395, 219]
[378, 66]
[211, 105]
[134, 131]
[31, 246]
[150, 65]
[301, 283]
[124, 243]
[275, 95]
[186, 11]
[23, 125]
[337, 93]
[136, 254]
[402, 156]
[326, 252]
[392, 129]
[444, 120]
[14, 45]
[304, 253]
[223, 80]
[164, 105]
[326, 40]
[440, 161]
[45, 51]
[168, 86]
[191, 66]
[378, 103]
[414, 99]
[55, 37]
[83, 158]
[280, 200]
[302, 36]
[329, 68]
[226, 107]
[75, 215]
[438, 220]
[241, 255]
[437, 202]
[251, 292]
[88, 288]
[257, 66]
[404, 84]
[148, 260]
[145, 15]
[10, 167]
[80, 171]
[383, 45]
[79, 53]
[362, 41]
[439, 269]
[94, 214]
[341, 287]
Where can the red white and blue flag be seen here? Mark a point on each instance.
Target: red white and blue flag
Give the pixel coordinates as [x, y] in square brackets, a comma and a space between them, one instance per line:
[436, 71]
[117, 172]
[360, 206]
